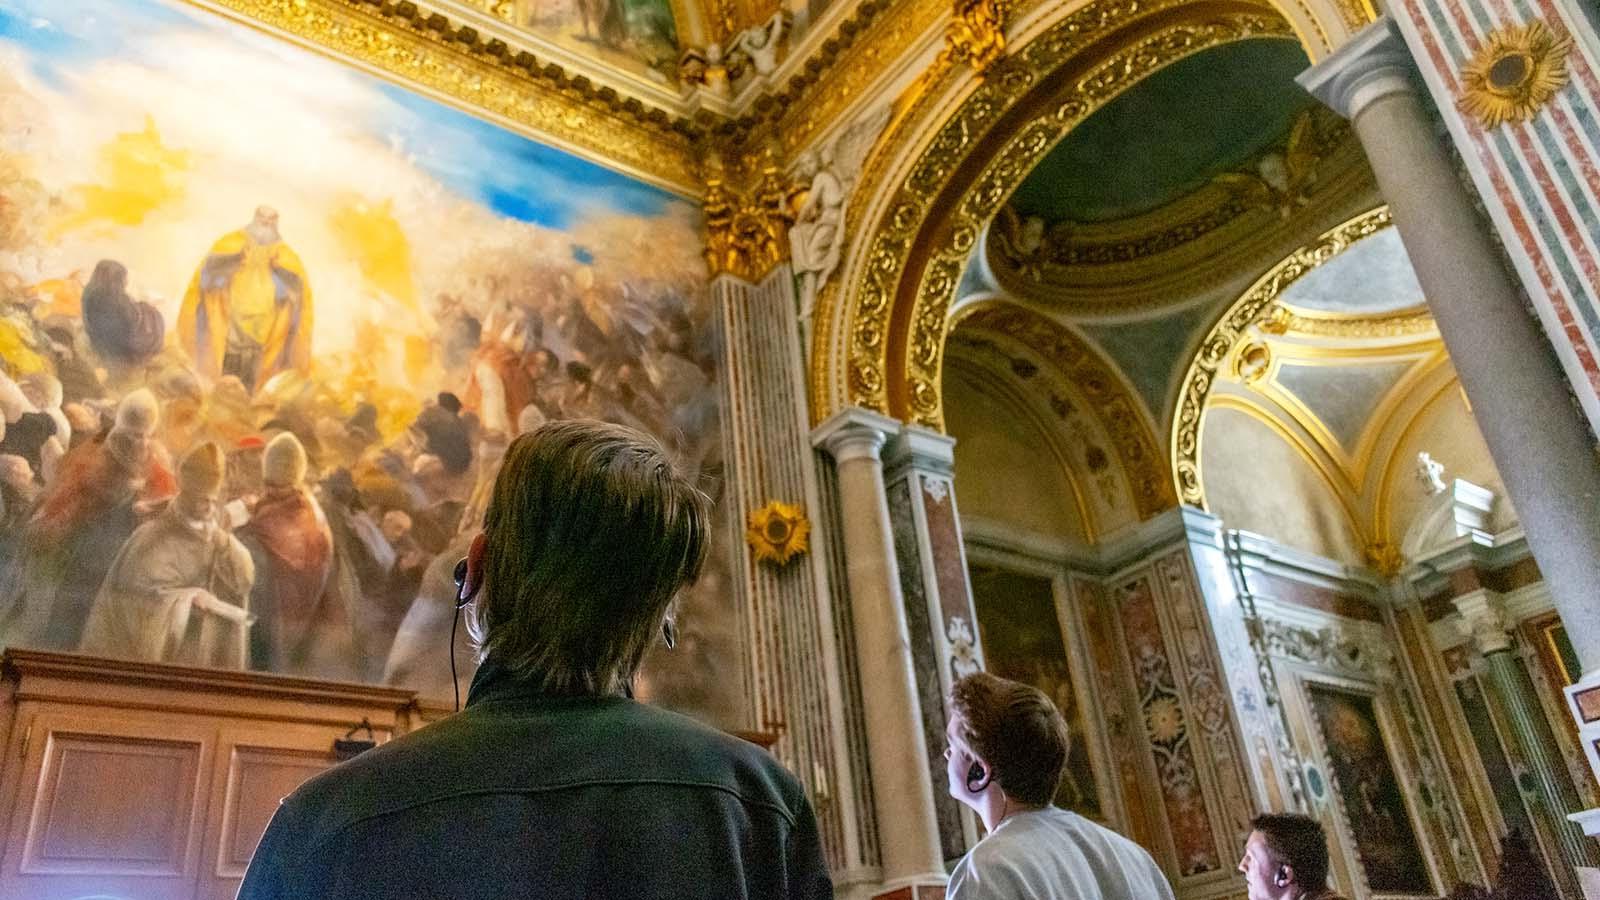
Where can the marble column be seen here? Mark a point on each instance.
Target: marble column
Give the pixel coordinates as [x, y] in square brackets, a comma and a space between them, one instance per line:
[897, 747]
[794, 679]
[918, 464]
[1490, 629]
[1520, 396]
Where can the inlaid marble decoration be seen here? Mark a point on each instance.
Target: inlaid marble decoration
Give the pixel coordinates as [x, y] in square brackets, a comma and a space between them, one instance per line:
[356, 294]
[1167, 727]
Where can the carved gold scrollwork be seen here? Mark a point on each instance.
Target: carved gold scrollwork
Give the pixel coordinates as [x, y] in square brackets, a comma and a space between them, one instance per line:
[977, 33]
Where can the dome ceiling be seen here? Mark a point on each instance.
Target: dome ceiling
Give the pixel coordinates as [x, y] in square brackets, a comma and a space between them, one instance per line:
[1198, 173]
[1171, 134]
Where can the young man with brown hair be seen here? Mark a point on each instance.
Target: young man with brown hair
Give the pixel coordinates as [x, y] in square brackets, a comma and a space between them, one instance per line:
[1286, 858]
[1008, 745]
[553, 783]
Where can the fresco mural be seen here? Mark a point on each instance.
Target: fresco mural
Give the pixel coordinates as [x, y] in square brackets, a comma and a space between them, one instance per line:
[1021, 637]
[1369, 792]
[266, 327]
[637, 34]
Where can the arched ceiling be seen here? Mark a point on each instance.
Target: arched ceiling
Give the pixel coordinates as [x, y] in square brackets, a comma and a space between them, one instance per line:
[1172, 133]
[1190, 176]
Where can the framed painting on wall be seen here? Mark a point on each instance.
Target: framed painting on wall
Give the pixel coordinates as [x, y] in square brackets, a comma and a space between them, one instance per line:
[1368, 792]
[325, 304]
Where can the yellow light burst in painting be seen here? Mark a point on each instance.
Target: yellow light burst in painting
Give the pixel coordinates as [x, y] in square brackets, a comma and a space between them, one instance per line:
[778, 532]
[1514, 74]
[140, 173]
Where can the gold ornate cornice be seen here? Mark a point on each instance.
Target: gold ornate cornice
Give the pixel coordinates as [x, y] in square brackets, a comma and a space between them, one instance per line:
[746, 228]
[1254, 306]
[427, 49]
[1132, 435]
[982, 152]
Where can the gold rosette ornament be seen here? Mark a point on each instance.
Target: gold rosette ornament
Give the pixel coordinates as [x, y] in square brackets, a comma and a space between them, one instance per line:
[1514, 74]
[778, 532]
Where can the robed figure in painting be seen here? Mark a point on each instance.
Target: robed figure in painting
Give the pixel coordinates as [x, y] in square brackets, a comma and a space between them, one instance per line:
[248, 309]
[104, 490]
[289, 539]
[179, 589]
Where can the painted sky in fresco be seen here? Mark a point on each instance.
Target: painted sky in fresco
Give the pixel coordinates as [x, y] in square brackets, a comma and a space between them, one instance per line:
[218, 64]
[158, 127]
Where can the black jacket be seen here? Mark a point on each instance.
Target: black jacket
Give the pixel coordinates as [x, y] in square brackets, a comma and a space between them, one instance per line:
[522, 795]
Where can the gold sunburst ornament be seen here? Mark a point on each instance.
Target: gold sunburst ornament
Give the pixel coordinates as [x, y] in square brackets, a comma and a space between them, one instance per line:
[1517, 71]
[778, 532]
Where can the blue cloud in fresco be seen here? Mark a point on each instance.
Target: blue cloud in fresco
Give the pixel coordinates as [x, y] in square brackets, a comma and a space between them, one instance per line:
[516, 177]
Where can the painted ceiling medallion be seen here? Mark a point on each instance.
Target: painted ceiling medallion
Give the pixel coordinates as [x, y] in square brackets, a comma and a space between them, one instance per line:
[778, 532]
[1517, 71]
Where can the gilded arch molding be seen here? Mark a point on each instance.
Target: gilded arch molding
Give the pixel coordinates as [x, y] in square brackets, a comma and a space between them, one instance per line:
[883, 350]
[1132, 435]
[1257, 304]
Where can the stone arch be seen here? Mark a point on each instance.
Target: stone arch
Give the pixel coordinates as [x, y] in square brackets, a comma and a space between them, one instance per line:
[956, 149]
[1132, 436]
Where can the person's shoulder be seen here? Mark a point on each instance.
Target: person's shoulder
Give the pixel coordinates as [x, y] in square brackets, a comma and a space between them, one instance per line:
[370, 783]
[712, 754]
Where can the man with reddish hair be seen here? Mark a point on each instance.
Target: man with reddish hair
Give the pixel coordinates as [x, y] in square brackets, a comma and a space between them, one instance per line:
[1008, 745]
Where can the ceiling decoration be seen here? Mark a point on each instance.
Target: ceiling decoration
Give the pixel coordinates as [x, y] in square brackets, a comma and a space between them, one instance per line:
[1177, 184]
[1340, 399]
[902, 278]
[1236, 326]
[1170, 134]
[1131, 434]
[1372, 278]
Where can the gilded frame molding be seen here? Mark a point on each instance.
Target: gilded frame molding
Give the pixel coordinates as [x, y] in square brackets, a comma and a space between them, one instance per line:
[1256, 305]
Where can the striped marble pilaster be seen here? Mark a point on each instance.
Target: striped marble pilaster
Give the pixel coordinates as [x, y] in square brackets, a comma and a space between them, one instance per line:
[1539, 179]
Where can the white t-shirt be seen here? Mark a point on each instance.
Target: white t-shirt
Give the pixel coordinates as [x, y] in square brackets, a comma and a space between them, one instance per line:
[1053, 854]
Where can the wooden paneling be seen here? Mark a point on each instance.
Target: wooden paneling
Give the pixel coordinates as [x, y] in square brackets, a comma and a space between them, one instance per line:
[143, 781]
[107, 806]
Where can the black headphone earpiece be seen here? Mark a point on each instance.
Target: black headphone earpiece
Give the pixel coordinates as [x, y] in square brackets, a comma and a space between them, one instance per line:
[977, 778]
[463, 596]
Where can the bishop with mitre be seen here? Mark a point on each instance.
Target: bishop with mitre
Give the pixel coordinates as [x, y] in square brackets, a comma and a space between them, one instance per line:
[179, 589]
[247, 311]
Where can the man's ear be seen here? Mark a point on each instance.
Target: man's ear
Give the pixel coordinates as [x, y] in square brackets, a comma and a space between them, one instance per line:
[475, 554]
[1284, 875]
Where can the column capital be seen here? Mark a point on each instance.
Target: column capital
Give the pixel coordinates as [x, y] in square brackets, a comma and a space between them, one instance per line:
[1375, 63]
[1485, 620]
[921, 448]
[854, 433]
